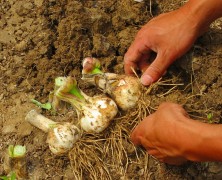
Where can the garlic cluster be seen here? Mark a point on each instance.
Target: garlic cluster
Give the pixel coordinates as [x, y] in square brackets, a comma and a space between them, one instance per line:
[94, 113]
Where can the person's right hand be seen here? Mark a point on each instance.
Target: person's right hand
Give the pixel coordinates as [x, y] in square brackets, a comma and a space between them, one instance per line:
[170, 35]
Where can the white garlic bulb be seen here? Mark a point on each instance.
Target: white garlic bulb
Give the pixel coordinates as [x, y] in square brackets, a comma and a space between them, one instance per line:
[61, 136]
[99, 115]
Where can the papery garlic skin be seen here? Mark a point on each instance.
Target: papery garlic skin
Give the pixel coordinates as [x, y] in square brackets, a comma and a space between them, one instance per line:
[62, 138]
[98, 117]
[124, 90]
[126, 93]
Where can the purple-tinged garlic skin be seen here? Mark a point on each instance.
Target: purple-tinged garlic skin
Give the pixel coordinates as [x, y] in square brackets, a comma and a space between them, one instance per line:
[89, 63]
[62, 138]
[101, 113]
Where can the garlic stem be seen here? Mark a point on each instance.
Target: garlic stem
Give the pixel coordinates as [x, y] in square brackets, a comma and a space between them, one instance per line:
[70, 98]
[69, 92]
[39, 121]
[68, 85]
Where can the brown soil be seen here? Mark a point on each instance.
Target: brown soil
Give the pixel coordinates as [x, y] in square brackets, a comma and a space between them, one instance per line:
[41, 40]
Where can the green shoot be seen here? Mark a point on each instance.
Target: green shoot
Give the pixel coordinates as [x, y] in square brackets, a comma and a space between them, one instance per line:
[76, 92]
[210, 117]
[96, 70]
[46, 106]
[12, 176]
[91, 66]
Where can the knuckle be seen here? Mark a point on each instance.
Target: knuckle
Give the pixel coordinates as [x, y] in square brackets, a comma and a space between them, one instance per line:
[167, 105]
[156, 71]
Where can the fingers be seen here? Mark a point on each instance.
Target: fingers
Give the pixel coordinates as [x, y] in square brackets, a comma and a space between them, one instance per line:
[155, 70]
[141, 131]
[143, 64]
[176, 108]
[175, 160]
[137, 52]
[135, 138]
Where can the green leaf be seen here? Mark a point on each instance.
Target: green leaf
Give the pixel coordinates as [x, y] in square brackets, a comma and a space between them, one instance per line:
[210, 117]
[16, 151]
[11, 177]
[47, 105]
[4, 177]
[11, 151]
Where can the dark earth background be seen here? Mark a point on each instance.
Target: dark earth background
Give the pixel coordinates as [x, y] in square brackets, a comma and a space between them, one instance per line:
[41, 40]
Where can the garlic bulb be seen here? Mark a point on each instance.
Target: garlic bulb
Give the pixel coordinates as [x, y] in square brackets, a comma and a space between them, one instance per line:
[124, 90]
[138, 0]
[95, 113]
[61, 136]
[97, 118]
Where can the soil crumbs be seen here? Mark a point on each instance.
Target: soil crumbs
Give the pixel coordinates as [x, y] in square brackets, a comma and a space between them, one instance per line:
[41, 40]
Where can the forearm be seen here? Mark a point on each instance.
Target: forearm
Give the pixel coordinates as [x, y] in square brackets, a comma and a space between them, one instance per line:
[203, 12]
[206, 143]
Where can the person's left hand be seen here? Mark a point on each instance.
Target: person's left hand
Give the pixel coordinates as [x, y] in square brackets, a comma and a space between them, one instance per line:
[165, 134]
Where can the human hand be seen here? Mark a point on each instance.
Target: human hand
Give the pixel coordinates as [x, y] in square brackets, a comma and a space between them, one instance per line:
[169, 35]
[165, 134]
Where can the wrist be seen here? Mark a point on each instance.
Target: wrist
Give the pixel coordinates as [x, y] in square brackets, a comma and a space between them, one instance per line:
[204, 142]
[201, 13]
[195, 140]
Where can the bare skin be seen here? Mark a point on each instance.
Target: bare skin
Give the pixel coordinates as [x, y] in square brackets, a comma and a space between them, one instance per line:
[169, 134]
[172, 137]
[170, 35]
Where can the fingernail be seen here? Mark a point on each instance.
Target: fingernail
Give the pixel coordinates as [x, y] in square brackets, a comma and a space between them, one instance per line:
[146, 80]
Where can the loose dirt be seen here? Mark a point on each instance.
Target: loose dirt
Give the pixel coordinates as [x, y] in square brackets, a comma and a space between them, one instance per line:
[41, 40]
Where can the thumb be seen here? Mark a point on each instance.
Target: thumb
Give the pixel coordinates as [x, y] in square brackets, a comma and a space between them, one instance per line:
[155, 70]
